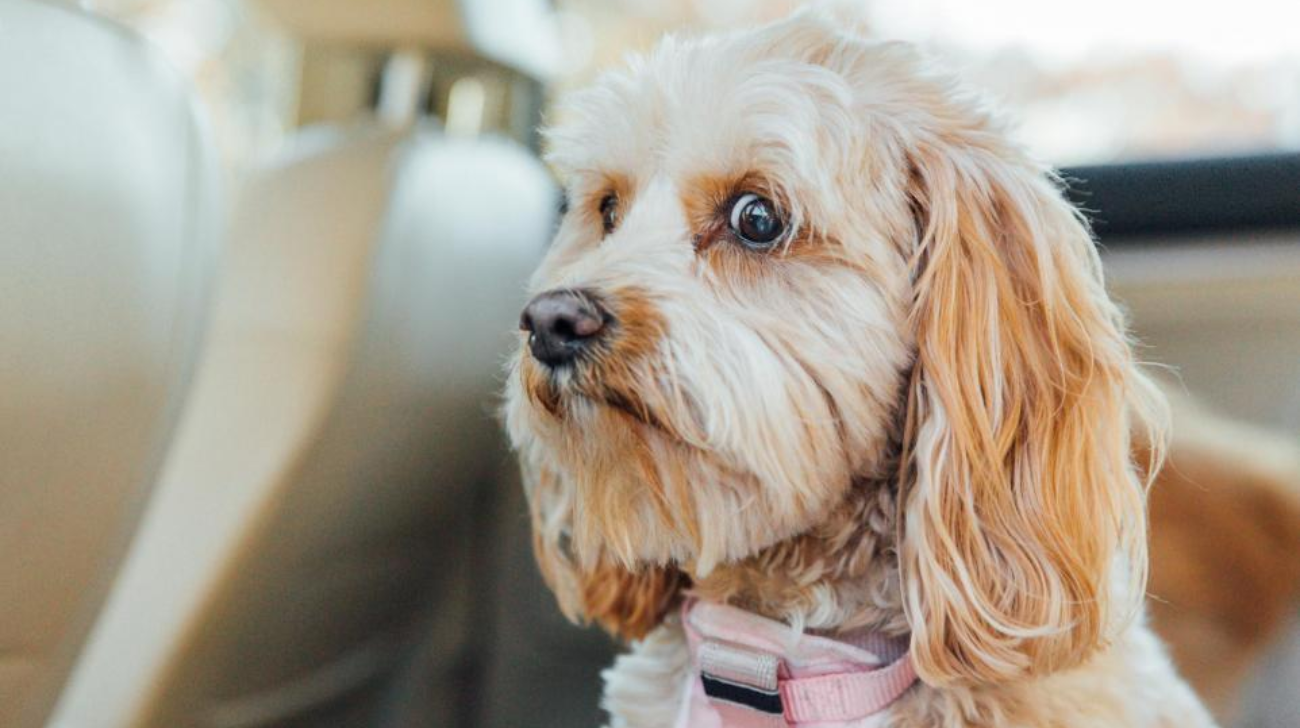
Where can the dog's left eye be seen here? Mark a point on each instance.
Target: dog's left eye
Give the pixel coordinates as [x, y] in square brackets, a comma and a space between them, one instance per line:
[609, 212]
[756, 222]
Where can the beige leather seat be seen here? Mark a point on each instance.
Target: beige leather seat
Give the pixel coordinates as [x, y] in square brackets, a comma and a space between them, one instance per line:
[106, 245]
[313, 523]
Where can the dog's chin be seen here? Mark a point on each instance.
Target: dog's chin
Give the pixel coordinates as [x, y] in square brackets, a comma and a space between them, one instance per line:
[644, 485]
[647, 499]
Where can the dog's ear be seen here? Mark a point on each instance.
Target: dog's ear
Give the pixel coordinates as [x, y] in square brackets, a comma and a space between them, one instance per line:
[1022, 509]
[627, 603]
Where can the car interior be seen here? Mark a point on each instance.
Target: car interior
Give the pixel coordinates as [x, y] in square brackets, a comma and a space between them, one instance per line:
[253, 474]
[110, 228]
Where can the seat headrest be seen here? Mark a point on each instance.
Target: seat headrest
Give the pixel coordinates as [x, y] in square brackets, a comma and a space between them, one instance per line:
[107, 217]
[519, 34]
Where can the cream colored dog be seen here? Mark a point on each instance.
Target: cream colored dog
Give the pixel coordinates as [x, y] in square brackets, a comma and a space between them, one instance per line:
[817, 341]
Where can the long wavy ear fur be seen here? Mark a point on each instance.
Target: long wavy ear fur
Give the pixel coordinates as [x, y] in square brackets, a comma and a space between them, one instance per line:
[1024, 542]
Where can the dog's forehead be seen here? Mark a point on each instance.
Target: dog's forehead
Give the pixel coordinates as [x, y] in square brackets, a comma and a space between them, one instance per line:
[713, 105]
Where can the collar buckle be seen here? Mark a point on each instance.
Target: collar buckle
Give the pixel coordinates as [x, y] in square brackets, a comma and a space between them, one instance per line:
[741, 676]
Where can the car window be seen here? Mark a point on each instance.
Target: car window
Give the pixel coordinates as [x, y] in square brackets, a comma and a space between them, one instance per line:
[1109, 81]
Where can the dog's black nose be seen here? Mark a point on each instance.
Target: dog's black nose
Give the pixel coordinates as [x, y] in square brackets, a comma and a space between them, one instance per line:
[560, 325]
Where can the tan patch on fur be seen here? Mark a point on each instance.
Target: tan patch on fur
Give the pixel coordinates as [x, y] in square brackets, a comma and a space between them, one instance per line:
[629, 604]
[539, 387]
[705, 196]
[615, 373]
[1225, 531]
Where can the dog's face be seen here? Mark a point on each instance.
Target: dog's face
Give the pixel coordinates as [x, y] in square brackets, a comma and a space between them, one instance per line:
[791, 258]
[739, 239]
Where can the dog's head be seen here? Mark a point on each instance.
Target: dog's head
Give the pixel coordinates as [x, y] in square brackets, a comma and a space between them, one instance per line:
[794, 261]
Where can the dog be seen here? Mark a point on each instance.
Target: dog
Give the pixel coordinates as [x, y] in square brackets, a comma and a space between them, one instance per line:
[821, 402]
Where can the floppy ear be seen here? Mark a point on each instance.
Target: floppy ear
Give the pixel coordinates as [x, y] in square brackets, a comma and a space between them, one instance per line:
[1023, 531]
[626, 603]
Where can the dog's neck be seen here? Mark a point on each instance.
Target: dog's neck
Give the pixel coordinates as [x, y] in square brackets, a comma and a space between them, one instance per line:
[839, 576]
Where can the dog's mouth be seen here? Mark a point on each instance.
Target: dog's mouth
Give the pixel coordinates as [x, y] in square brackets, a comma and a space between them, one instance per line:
[557, 389]
[636, 409]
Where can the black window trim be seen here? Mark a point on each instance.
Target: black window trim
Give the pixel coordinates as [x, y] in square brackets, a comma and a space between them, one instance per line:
[1152, 199]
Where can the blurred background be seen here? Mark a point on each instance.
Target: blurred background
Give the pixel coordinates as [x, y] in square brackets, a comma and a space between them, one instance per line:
[1119, 81]
[266, 258]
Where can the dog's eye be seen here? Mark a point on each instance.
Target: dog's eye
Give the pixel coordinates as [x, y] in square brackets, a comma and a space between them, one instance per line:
[756, 222]
[609, 212]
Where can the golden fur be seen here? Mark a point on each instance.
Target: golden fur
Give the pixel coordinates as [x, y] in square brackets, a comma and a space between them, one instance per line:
[1225, 534]
[914, 416]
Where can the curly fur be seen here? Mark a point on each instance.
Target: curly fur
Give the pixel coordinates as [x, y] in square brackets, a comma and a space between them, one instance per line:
[914, 416]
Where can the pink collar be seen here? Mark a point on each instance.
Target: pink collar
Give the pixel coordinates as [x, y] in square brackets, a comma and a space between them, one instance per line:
[753, 672]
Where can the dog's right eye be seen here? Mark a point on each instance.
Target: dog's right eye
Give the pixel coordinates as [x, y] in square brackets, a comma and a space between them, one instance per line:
[609, 212]
[756, 222]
